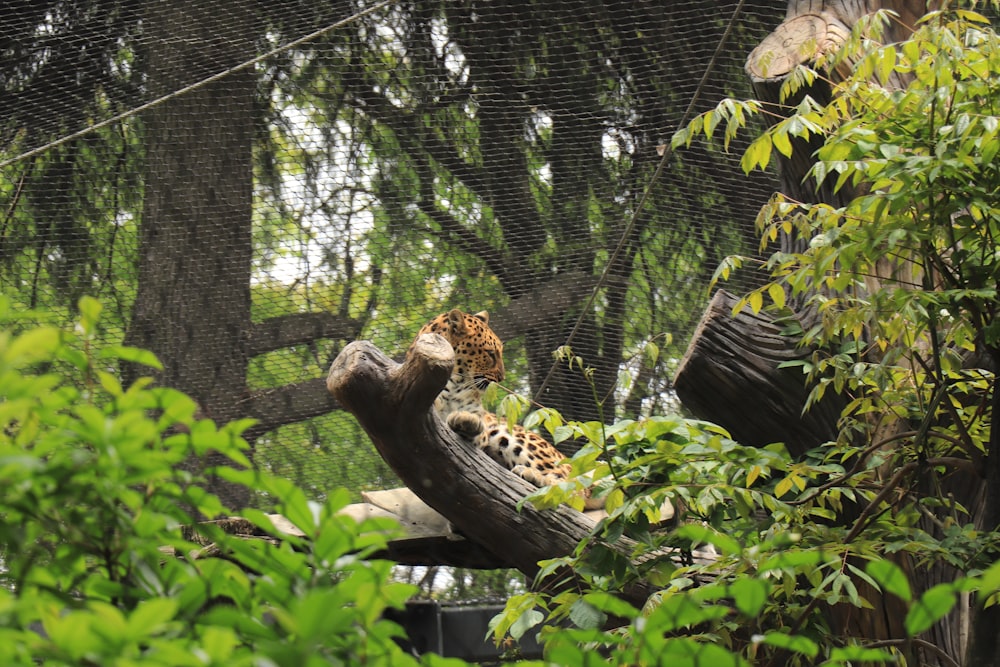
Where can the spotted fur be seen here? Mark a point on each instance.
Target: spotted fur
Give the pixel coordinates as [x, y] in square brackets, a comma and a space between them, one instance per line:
[478, 362]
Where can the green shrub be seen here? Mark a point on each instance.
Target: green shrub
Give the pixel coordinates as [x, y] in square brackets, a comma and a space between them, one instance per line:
[101, 559]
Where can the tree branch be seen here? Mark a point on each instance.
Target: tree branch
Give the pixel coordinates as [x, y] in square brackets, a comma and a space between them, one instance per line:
[286, 330]
[392, 402]
[455, 232]
[287, 405]
[547, 301]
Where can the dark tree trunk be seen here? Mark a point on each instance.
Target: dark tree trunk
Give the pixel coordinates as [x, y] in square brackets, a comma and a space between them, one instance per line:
[984, 642]
[193, 301]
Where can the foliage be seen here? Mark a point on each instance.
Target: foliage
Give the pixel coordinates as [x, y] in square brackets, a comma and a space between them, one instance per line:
[901, 286]
[103, 559]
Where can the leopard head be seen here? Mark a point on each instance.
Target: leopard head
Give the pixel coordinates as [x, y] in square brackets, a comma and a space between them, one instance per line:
[478, 351]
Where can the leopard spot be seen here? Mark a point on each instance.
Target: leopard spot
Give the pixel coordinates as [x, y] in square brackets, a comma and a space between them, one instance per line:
[517, 450]
[503, 442]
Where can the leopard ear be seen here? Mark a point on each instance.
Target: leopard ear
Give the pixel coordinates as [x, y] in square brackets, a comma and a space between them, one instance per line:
[456, 319]
[484, 316]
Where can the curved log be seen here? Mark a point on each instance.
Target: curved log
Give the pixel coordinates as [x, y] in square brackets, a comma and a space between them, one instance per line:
[730, 375]
[393, 403]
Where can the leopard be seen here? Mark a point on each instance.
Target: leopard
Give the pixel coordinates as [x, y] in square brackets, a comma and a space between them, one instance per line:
[478, 363]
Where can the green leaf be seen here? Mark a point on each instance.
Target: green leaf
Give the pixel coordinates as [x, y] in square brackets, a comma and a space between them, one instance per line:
[793, 559]
[150, 616]
[680, 610]
[585, 615]
[777, 294]
[611, 604]
[782, 143]
[218, 643]
[90, 313]
[850, 655]
[989, 581]
[434, 660]
[525, 622]
[686, 652]
[702, 534]
[651, 353]
[758, 154]
[32, 346]
[890, 578]
[133, 355]
[74, 633]
[795, 643]
[749, 595]
[886, 63]
[614, 500]
[931, 607]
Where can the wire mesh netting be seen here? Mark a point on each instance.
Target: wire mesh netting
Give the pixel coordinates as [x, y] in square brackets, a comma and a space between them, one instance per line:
[249, 186]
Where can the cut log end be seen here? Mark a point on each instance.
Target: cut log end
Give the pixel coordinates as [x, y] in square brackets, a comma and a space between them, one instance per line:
[362, 373]
[797, 41]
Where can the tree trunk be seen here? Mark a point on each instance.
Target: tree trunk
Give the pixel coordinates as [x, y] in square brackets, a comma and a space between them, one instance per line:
[984, 640]
[193, 302]
[811, 29]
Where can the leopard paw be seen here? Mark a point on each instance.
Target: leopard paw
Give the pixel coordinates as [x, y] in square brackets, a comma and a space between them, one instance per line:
[529, 474]
[466, 424]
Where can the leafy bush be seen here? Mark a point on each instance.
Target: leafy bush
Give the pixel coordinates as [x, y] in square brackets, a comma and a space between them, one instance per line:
[103, 561]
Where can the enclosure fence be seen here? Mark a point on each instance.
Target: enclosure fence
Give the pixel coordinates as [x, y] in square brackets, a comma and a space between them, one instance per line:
[247, 187]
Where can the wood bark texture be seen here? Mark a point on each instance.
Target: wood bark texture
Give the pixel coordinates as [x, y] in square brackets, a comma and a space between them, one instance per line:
[192, 305]
[730, 375]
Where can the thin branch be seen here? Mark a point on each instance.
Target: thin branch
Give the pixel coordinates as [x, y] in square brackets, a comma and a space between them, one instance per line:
[253, 62]
[890, 486]
[546, 302]
[456, 233]
[922, 643]
[633, 220]
[408, 133]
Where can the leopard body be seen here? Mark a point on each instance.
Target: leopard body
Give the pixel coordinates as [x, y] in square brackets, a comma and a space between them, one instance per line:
[478, 362]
